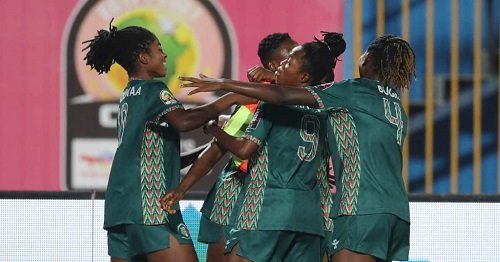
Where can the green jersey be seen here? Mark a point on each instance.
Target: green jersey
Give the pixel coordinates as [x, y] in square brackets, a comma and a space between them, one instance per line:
[368, 127]
[147, 160]
[281, 189]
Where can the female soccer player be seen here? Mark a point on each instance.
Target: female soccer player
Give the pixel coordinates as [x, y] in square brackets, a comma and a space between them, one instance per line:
[279, 212]
[370, 210]
[272, 50]
[146, 163]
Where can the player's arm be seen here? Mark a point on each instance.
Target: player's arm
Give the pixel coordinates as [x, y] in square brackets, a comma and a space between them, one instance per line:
[273, 94]
[240, 147]
[189, 119]
[187, 158]
[201, 166]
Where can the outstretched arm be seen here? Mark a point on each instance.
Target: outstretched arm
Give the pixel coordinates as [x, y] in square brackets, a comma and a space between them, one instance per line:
[189, 119]
[270, 93]
[240, 147]
[201, 166]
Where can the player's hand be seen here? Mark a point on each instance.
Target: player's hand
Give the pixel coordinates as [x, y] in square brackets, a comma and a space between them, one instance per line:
[260, 74]
[202, 84]
[171, 198]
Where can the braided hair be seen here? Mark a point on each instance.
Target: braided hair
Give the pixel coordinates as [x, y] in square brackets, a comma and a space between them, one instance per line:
[122, 46]
[394, 61]
[268, 44]
[321, 56]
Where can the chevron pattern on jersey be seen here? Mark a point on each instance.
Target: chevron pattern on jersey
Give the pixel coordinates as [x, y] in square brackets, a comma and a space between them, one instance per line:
[348, 149]
[225, 198]
[325, 192]
[316, 97]
[254, 196]
[152, 178]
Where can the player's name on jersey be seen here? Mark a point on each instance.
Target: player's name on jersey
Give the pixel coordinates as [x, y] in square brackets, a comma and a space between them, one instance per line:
[132, 91]
[389, 92]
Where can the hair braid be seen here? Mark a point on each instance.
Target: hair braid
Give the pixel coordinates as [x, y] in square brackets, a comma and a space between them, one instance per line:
[394, 60]
[101, 51]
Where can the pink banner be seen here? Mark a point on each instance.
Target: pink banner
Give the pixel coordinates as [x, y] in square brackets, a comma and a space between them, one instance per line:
[253, 20]
[33, 88]
[29, 109]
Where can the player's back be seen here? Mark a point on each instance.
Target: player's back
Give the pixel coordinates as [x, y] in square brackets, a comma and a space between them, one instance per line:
[282, 179]
[369, 126]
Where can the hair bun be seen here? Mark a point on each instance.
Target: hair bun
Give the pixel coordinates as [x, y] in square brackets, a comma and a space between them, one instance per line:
[335, 42]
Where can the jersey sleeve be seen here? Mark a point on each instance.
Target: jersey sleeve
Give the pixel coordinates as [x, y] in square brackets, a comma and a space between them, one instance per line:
[259, 127]
[331, 95]
[160, 101]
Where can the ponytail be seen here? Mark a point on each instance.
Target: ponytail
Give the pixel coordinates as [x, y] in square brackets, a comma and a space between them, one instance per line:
[335, 43]
[122, 46]
[321, 56]
[101, 50]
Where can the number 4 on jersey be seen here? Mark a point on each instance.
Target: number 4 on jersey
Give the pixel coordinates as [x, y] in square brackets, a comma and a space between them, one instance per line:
[394, 119]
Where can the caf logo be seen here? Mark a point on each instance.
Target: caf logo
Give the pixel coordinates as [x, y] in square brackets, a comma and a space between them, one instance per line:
[183, 231]
[196, 36]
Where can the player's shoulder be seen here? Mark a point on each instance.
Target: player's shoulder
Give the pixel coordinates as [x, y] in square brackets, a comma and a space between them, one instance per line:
[335, 85]
[356, 84]
[155, 84]
[157, 87]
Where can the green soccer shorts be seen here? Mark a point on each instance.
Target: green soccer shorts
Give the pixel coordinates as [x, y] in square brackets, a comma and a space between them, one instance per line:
[129, 241]
[274, 245]
[383, 236]
[209, 232]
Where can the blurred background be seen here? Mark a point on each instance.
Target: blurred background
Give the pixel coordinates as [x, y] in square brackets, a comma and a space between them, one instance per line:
[58, 118]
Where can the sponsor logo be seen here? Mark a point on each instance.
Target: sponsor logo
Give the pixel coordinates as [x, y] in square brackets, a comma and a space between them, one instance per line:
[335, 242]
[91, 161]
[233, 231]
